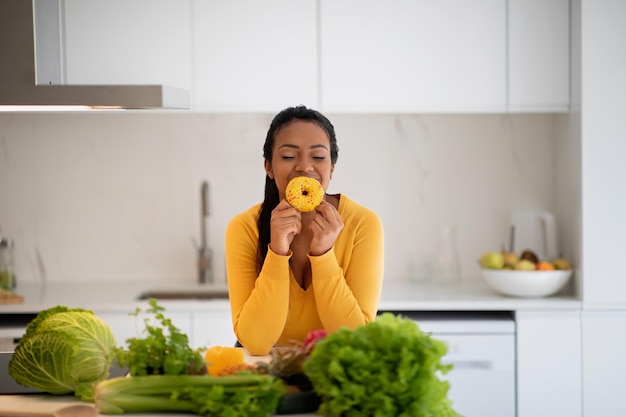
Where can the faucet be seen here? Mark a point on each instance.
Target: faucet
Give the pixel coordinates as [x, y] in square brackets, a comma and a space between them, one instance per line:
[205, 253]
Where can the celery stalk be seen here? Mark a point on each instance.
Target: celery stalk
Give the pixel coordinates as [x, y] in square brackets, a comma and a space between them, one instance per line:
[245, 395]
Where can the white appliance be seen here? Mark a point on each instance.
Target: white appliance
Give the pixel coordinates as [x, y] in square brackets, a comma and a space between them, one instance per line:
[481, 347]
[534, 230]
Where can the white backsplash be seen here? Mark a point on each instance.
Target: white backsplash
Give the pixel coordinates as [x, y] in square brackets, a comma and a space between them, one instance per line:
[115, 196]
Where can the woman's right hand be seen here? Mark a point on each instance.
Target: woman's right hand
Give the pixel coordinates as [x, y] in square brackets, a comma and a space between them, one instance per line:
[285, 225]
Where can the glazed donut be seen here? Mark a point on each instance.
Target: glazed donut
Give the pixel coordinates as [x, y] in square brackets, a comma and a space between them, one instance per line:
[304, 193]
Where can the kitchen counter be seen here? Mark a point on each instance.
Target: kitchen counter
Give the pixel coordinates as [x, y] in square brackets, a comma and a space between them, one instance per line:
[396, 296]
[43, 403]
[119, 298]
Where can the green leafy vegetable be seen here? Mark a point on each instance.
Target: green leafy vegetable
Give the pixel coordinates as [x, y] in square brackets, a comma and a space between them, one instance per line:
[163, 368]
[251, 395]
[387, 367]
[64, 351]
[164, 350]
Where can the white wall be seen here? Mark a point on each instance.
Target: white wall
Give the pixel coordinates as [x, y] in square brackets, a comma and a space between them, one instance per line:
[115, 196]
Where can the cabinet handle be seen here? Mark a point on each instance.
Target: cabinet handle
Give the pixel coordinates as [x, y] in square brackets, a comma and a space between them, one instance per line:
[474, 365]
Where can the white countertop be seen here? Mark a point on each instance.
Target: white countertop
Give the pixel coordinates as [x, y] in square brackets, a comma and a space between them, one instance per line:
[45, 404]
[396, 296]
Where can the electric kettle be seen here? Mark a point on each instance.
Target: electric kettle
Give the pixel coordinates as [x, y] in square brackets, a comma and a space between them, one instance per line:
[534, 230]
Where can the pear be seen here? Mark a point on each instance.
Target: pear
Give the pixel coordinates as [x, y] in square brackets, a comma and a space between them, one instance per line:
[525, 265]
[510, 260]
[561, 263]
[492, 260]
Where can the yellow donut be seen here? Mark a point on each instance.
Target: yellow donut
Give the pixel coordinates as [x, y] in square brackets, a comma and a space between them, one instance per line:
[304, 193]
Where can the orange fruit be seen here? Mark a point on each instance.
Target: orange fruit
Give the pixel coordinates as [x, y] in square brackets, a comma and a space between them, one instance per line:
[545, 266]
[220, 357]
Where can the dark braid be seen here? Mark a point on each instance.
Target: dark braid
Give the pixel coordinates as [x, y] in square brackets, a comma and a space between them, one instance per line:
[270, 202]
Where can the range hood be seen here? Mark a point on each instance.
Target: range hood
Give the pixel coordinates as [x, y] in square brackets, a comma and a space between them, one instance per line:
[30, 66]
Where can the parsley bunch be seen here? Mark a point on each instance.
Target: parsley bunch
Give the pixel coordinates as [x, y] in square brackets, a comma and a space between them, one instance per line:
[164, 349]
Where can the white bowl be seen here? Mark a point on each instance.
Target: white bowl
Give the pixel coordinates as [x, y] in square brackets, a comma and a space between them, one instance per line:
[526, 283]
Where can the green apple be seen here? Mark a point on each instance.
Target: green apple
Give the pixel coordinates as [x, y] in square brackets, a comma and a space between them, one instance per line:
[492, 260]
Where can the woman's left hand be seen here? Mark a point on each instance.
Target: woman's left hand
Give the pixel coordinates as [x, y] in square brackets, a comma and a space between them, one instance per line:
[325, 228]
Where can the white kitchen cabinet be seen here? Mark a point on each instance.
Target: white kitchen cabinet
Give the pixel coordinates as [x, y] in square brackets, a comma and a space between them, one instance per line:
[538, 55]
[213, 328]
[254, 56]
[413, 56]
[598, 131]
[603, 347]
[549, 376]
[127, 42]
[125, 326]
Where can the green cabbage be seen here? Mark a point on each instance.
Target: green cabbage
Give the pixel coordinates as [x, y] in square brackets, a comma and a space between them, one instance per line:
[385, 368]
[64, 351]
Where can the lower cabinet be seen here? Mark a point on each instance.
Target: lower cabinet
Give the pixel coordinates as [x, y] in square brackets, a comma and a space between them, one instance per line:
[213, 328]
[125, 326]
[604, 363]
[549, 374]
[204, 328]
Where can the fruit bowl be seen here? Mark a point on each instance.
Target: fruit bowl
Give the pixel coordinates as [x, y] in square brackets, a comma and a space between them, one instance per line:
[526, 283]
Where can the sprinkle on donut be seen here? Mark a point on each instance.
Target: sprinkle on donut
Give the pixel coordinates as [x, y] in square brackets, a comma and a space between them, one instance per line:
[304, 193]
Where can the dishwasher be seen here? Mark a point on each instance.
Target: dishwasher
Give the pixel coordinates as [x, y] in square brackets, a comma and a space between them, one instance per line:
[481, 348]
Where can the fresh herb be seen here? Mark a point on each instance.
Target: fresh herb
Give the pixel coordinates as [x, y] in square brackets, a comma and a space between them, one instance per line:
[387, 367]
[164, 350]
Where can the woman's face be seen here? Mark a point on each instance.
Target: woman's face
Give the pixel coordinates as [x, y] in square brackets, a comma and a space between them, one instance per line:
[301, 148]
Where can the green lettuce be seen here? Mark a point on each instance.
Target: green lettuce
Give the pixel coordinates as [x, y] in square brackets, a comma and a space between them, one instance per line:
[387, 367]
[64, 351]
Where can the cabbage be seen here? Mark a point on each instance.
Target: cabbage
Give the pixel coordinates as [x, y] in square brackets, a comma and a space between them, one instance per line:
[64, 351]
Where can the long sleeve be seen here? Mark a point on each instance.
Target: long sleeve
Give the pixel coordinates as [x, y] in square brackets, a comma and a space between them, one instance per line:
[259, 302]
[347, 280]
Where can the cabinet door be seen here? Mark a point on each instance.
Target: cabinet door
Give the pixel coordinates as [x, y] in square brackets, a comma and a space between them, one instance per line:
[125, 326]
[604, 367]
[213, 328]
[128, 42]
[254, 56]
[413, 55]
[539, 55]
[549, 378]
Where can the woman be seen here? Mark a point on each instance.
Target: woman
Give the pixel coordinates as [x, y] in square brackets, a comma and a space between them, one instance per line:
[291, 272]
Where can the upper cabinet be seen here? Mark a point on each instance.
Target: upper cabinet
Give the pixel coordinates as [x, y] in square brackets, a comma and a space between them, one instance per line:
[397, 56]
[254, 55]
[413, 55]
[127, 42]
[539, 60]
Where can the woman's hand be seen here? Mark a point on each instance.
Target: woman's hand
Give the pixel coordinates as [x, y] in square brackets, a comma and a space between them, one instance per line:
[325, 228]
[286, 223]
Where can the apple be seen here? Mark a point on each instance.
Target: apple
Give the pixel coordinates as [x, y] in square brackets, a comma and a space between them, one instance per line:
[525, 265]
[492, 260]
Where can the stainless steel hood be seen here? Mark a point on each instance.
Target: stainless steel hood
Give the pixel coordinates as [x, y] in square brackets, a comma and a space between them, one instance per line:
[30, 66]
